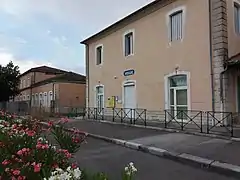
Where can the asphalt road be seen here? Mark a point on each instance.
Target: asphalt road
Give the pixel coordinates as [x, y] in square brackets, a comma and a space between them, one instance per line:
[99, 156]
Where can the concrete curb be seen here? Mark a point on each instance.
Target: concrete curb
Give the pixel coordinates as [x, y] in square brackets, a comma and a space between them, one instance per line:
[166, 130]
[213, 165]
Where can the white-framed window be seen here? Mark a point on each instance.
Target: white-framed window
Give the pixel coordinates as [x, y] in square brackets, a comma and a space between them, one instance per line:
[28, 97]
[99, 54]
[45, 99]
[24, 83]
[176, 23]
[177, 94]
[237, 17]
[36, 99]
[40, 99]
[50, 98]
[33, 100]
[28, 82]
[128, 41]
[99, 101]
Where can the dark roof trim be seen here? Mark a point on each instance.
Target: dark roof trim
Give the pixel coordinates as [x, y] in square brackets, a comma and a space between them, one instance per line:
[233, 60]
[69, 77]
[235, 56]
[44, 69]
[140, 13]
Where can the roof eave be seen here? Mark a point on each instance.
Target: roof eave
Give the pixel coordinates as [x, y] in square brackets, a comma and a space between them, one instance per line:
[122, 21]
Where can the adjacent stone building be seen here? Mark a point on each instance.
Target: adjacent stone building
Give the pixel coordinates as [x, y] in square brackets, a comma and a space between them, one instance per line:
[50, 89]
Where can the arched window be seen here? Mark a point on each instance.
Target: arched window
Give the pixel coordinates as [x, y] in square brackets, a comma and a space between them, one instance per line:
[36, 99]
[99, 102]
[40, 99]
[50, 98]
[177, 94]
[45, 99]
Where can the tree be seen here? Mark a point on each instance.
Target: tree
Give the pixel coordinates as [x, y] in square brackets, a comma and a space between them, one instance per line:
[9, 81]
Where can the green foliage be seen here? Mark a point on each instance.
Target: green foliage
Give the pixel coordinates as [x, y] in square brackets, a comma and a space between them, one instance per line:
[9, 81]
[91, 176]
[67, 140]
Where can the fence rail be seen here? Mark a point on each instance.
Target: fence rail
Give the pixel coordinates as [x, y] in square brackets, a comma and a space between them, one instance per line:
[221, 123]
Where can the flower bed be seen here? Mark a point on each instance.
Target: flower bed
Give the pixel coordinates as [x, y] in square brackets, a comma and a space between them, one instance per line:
[26, 153]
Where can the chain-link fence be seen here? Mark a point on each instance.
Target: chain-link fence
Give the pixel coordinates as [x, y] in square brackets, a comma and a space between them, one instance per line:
[23, 108]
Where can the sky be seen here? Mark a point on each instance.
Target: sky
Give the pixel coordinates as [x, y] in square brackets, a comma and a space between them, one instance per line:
[47, 32]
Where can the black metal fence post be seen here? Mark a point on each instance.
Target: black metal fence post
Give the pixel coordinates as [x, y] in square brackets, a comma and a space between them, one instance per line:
[131, 116]
[165, 119]
[145, 117]
[207, 122]
[121, 115]
[231, 125]
[181, 112]
[103, 114]
[201, 121]
[134, 116]
[113, 109]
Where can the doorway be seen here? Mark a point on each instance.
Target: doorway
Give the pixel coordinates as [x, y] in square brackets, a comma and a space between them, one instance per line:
[129, 100]
[178, 97]
[99, 99]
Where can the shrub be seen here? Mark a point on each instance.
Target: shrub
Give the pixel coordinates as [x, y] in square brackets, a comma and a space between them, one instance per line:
[25, 152]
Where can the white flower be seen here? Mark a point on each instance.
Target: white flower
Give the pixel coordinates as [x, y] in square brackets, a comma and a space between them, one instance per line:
[77, 173]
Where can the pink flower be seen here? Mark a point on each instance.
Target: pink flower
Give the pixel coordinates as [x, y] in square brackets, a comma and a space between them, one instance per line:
[37, 167]
[74, 166]
[21, 178]
[23, 151]
[20, 153]
[16, 172]
[64, 120]
[50, 123]
[31, 133]
[5, 162]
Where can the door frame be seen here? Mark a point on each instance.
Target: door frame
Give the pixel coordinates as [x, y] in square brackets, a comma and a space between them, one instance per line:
[95, 92]
[167, 89]
[129, 83]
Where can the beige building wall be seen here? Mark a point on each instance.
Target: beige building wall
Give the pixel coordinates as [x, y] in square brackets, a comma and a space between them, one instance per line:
[154, 58]
[72, 95]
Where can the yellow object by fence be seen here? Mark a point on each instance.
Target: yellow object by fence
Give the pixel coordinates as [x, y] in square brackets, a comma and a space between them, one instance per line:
[111, 102]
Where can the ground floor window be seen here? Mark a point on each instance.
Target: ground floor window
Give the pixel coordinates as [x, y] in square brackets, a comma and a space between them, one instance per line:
[99, 102]
[178, 95]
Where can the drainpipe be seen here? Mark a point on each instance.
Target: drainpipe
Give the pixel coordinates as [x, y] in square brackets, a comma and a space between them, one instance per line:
[221, 82]
[210, 54]
[87, 73]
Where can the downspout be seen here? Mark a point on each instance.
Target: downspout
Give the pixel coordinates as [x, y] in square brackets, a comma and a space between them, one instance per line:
[210, 54]
[221, 82]
[87, 73]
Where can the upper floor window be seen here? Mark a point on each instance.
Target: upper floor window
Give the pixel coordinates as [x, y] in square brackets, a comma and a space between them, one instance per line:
[24, 85]
[176, 26]
[237, 17]
[99, 54]
[28, 82]
[128, 43]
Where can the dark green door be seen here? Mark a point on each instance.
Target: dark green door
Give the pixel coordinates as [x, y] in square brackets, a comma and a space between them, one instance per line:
[238, 93]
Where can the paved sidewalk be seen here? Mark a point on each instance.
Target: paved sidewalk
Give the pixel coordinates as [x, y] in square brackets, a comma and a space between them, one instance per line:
[211, 148]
